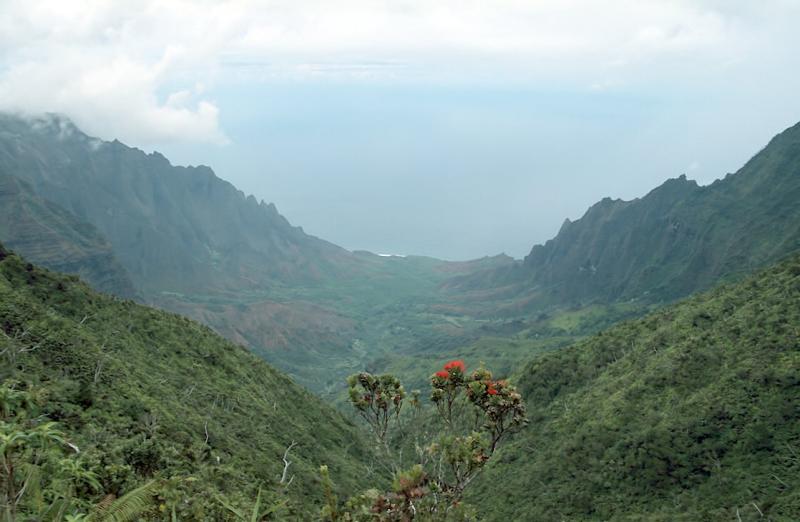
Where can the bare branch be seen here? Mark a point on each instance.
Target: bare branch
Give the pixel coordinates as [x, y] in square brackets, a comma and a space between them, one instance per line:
[286, 464]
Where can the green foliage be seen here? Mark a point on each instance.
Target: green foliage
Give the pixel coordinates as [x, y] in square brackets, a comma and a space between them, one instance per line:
[691, 413]
[147, 395]
[127, 508]
[37, 477]
[258, 512]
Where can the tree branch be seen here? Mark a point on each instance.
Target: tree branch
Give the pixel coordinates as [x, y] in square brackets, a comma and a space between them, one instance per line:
[286, 464]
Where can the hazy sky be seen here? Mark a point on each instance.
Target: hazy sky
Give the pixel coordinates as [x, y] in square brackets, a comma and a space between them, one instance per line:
[449, 128]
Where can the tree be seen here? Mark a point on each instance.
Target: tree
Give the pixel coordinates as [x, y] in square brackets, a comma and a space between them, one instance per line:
[476, 414]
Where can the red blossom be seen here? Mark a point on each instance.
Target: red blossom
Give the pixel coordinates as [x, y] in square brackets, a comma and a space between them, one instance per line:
[453, 365]
[443, 374]
[492, 391]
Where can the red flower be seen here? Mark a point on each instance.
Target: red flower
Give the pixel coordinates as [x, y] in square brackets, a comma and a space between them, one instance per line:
[453, 365]
[443, 374]
[492, 390]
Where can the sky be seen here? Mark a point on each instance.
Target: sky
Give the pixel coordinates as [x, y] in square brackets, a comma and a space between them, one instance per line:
[449, 128]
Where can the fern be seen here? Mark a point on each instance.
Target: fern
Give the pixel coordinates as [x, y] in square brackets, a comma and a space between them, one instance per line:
[126, 508]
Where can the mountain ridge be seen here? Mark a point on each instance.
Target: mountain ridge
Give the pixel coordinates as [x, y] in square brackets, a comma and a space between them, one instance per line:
[137, 198]
[194, 244]
[679, 238]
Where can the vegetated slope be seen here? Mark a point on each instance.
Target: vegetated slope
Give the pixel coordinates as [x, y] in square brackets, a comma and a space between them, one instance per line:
[148, 393]
[678, 239]
[691, 413]
[175, 229]
[54, 238]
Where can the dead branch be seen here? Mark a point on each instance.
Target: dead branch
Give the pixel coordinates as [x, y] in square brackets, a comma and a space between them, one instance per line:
[286, 464]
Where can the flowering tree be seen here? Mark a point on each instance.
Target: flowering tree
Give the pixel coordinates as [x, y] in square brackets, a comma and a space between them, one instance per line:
[446, 385]
[489, 409]
[501, 404]
[476, 412]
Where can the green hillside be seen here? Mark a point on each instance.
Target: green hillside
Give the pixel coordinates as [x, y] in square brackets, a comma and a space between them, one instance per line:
[145, 393]
[691, 413]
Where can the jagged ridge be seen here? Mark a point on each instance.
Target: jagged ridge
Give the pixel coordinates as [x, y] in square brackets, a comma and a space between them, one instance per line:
[175, 229]
[678, 239]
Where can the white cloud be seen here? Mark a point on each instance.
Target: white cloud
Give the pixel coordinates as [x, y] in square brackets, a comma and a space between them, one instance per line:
[111, 66]
[146, 70]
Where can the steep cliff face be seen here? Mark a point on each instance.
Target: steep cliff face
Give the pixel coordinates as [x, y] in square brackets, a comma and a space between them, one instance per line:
[175, 229]
[54, 238]
[677, 239]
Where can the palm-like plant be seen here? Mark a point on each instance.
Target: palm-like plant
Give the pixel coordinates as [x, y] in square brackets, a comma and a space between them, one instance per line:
[22, 449]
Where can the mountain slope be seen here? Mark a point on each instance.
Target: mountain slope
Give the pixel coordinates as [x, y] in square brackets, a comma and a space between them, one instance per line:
[175, 229]
[194, 244]
[147, 393]
[54, 238]
[678, 239]
[692, 413]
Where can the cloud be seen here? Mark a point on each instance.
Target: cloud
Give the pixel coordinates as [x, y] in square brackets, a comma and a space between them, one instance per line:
[119, 69]
[146, 70]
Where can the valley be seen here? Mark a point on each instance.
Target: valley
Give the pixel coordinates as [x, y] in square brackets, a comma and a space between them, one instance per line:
[417, 261]
[643, 391]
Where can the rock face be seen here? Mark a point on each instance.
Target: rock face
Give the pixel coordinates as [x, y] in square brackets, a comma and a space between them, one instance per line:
[676, 240]
[175, 229]
[52, 237]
